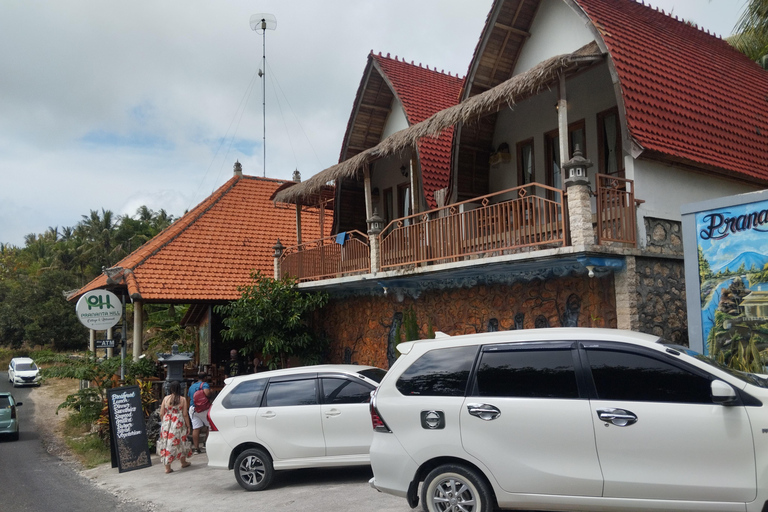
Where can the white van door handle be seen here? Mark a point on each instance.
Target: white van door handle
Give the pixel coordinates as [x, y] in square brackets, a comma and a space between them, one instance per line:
[618, 417]
[484, 411]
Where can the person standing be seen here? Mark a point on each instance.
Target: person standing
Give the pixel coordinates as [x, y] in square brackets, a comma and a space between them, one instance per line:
[173, 442]
[198, 384]
[233, 367]
[198, 411]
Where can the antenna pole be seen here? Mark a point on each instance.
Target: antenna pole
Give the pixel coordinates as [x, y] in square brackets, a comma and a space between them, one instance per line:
[263, 22]
[264, 93]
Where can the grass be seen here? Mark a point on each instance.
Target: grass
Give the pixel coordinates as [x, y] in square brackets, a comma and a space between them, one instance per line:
[68, 426]
[87, 446]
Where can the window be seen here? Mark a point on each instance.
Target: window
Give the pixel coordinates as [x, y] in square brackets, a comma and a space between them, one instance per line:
[375, 374]
[576, 135]
[525, 170]
[554, 176]
[640, 378]
[610, 159]
[345, 391]
[246, 394]
[389, 214]
[5, 402]
[292, 392]
[537, 373]
[442, 372]
[404, 200]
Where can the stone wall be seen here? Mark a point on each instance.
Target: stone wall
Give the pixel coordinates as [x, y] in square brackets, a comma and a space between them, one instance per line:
[362, 329]
[663, 236]
[661, 298]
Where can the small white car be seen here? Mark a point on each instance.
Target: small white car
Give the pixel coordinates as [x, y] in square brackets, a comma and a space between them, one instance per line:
[306, 417]
[22, 371]
[569, 419]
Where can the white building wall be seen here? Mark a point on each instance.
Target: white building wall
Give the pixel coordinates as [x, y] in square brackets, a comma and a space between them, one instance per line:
[556, 29]
[386, 172]
[588, 93]
[665, 188]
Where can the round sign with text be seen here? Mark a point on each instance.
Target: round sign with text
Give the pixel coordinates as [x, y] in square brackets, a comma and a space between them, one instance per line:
[99, 310]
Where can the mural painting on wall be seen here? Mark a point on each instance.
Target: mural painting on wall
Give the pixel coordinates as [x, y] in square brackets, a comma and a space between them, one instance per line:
[733, 279]
[366, 330]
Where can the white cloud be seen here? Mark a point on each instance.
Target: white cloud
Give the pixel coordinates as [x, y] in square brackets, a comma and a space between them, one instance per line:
[106, 105]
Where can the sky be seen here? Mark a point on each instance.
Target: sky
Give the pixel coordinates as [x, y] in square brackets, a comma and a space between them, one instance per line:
[116, 105]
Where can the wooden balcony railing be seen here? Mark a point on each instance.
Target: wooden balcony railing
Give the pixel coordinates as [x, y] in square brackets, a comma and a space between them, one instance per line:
[503, 221]
[332, 256]
[616, 214]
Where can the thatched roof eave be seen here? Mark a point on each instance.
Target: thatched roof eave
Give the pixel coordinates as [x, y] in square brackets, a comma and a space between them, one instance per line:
[517, 88]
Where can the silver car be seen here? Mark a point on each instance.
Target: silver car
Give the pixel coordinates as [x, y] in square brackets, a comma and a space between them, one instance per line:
[9, 422]
[22, 371]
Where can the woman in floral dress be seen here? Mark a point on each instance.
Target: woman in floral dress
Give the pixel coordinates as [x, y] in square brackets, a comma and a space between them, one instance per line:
[174, 442]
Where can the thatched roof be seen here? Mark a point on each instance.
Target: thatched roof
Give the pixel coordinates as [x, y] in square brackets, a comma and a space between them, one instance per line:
[517, 88]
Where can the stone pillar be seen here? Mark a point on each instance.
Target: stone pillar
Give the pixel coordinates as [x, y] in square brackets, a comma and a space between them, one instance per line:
[580, 212]
[625, 288]
[375, 225]
[579, 209]
[138, 328]
[373, 243]
[278, 248]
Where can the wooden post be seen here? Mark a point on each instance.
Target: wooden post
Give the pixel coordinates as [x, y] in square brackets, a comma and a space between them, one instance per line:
[138, 328]
[562, 124]
[368, 193]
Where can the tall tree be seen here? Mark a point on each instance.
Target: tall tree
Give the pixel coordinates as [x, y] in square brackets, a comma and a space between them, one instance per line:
[751, 32]
[271, 318]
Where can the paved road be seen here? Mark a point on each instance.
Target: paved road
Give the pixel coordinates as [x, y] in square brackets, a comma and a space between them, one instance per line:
[37, 481]
[32, 480]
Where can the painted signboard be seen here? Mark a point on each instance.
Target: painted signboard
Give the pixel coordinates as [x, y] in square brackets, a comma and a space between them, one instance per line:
[99, 309]
[726, 263]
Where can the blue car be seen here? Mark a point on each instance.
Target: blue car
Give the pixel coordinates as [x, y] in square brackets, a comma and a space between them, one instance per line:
[9, 422]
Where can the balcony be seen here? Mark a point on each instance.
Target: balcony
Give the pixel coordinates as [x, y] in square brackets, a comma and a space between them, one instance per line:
[333, 256]
[521, 219]
[503, 221]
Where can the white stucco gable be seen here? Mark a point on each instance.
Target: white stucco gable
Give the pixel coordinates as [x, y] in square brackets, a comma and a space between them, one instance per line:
[557, 29]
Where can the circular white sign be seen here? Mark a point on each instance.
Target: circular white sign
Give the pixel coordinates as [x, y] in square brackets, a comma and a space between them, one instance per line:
[99, 310]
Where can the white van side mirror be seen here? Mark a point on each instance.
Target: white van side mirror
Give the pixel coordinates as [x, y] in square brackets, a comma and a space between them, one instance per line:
[722, 393]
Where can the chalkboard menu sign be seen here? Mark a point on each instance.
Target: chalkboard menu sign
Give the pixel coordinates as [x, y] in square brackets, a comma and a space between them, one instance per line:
[129, 435]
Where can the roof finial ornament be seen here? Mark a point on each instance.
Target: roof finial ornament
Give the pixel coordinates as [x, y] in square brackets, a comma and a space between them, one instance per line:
[238, 169]
[297, 176]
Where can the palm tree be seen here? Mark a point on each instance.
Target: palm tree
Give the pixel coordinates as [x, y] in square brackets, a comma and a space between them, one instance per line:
[751, 32]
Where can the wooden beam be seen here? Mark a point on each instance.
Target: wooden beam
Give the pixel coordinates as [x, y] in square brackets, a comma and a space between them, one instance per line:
[512, 30]
[374, 107]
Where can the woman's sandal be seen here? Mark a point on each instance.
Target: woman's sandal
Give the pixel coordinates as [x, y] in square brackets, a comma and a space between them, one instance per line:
[169, 471]
[186, 465]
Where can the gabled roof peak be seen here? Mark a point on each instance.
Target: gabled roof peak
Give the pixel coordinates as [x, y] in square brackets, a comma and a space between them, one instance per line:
[678, 18]
[420, 65]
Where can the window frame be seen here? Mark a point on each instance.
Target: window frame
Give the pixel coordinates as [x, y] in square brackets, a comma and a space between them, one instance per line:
[519, 147]
[340, 376]
[640, 351]
[545, 346]
[601, 161]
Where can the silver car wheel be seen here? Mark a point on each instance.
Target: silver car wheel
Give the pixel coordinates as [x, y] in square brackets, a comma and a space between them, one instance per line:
[252, 470]
[452, 494]
[455, 488]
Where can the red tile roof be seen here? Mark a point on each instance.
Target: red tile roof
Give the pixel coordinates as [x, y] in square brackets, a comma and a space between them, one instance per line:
[688, 95]
[423, 92]
[206, 254]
